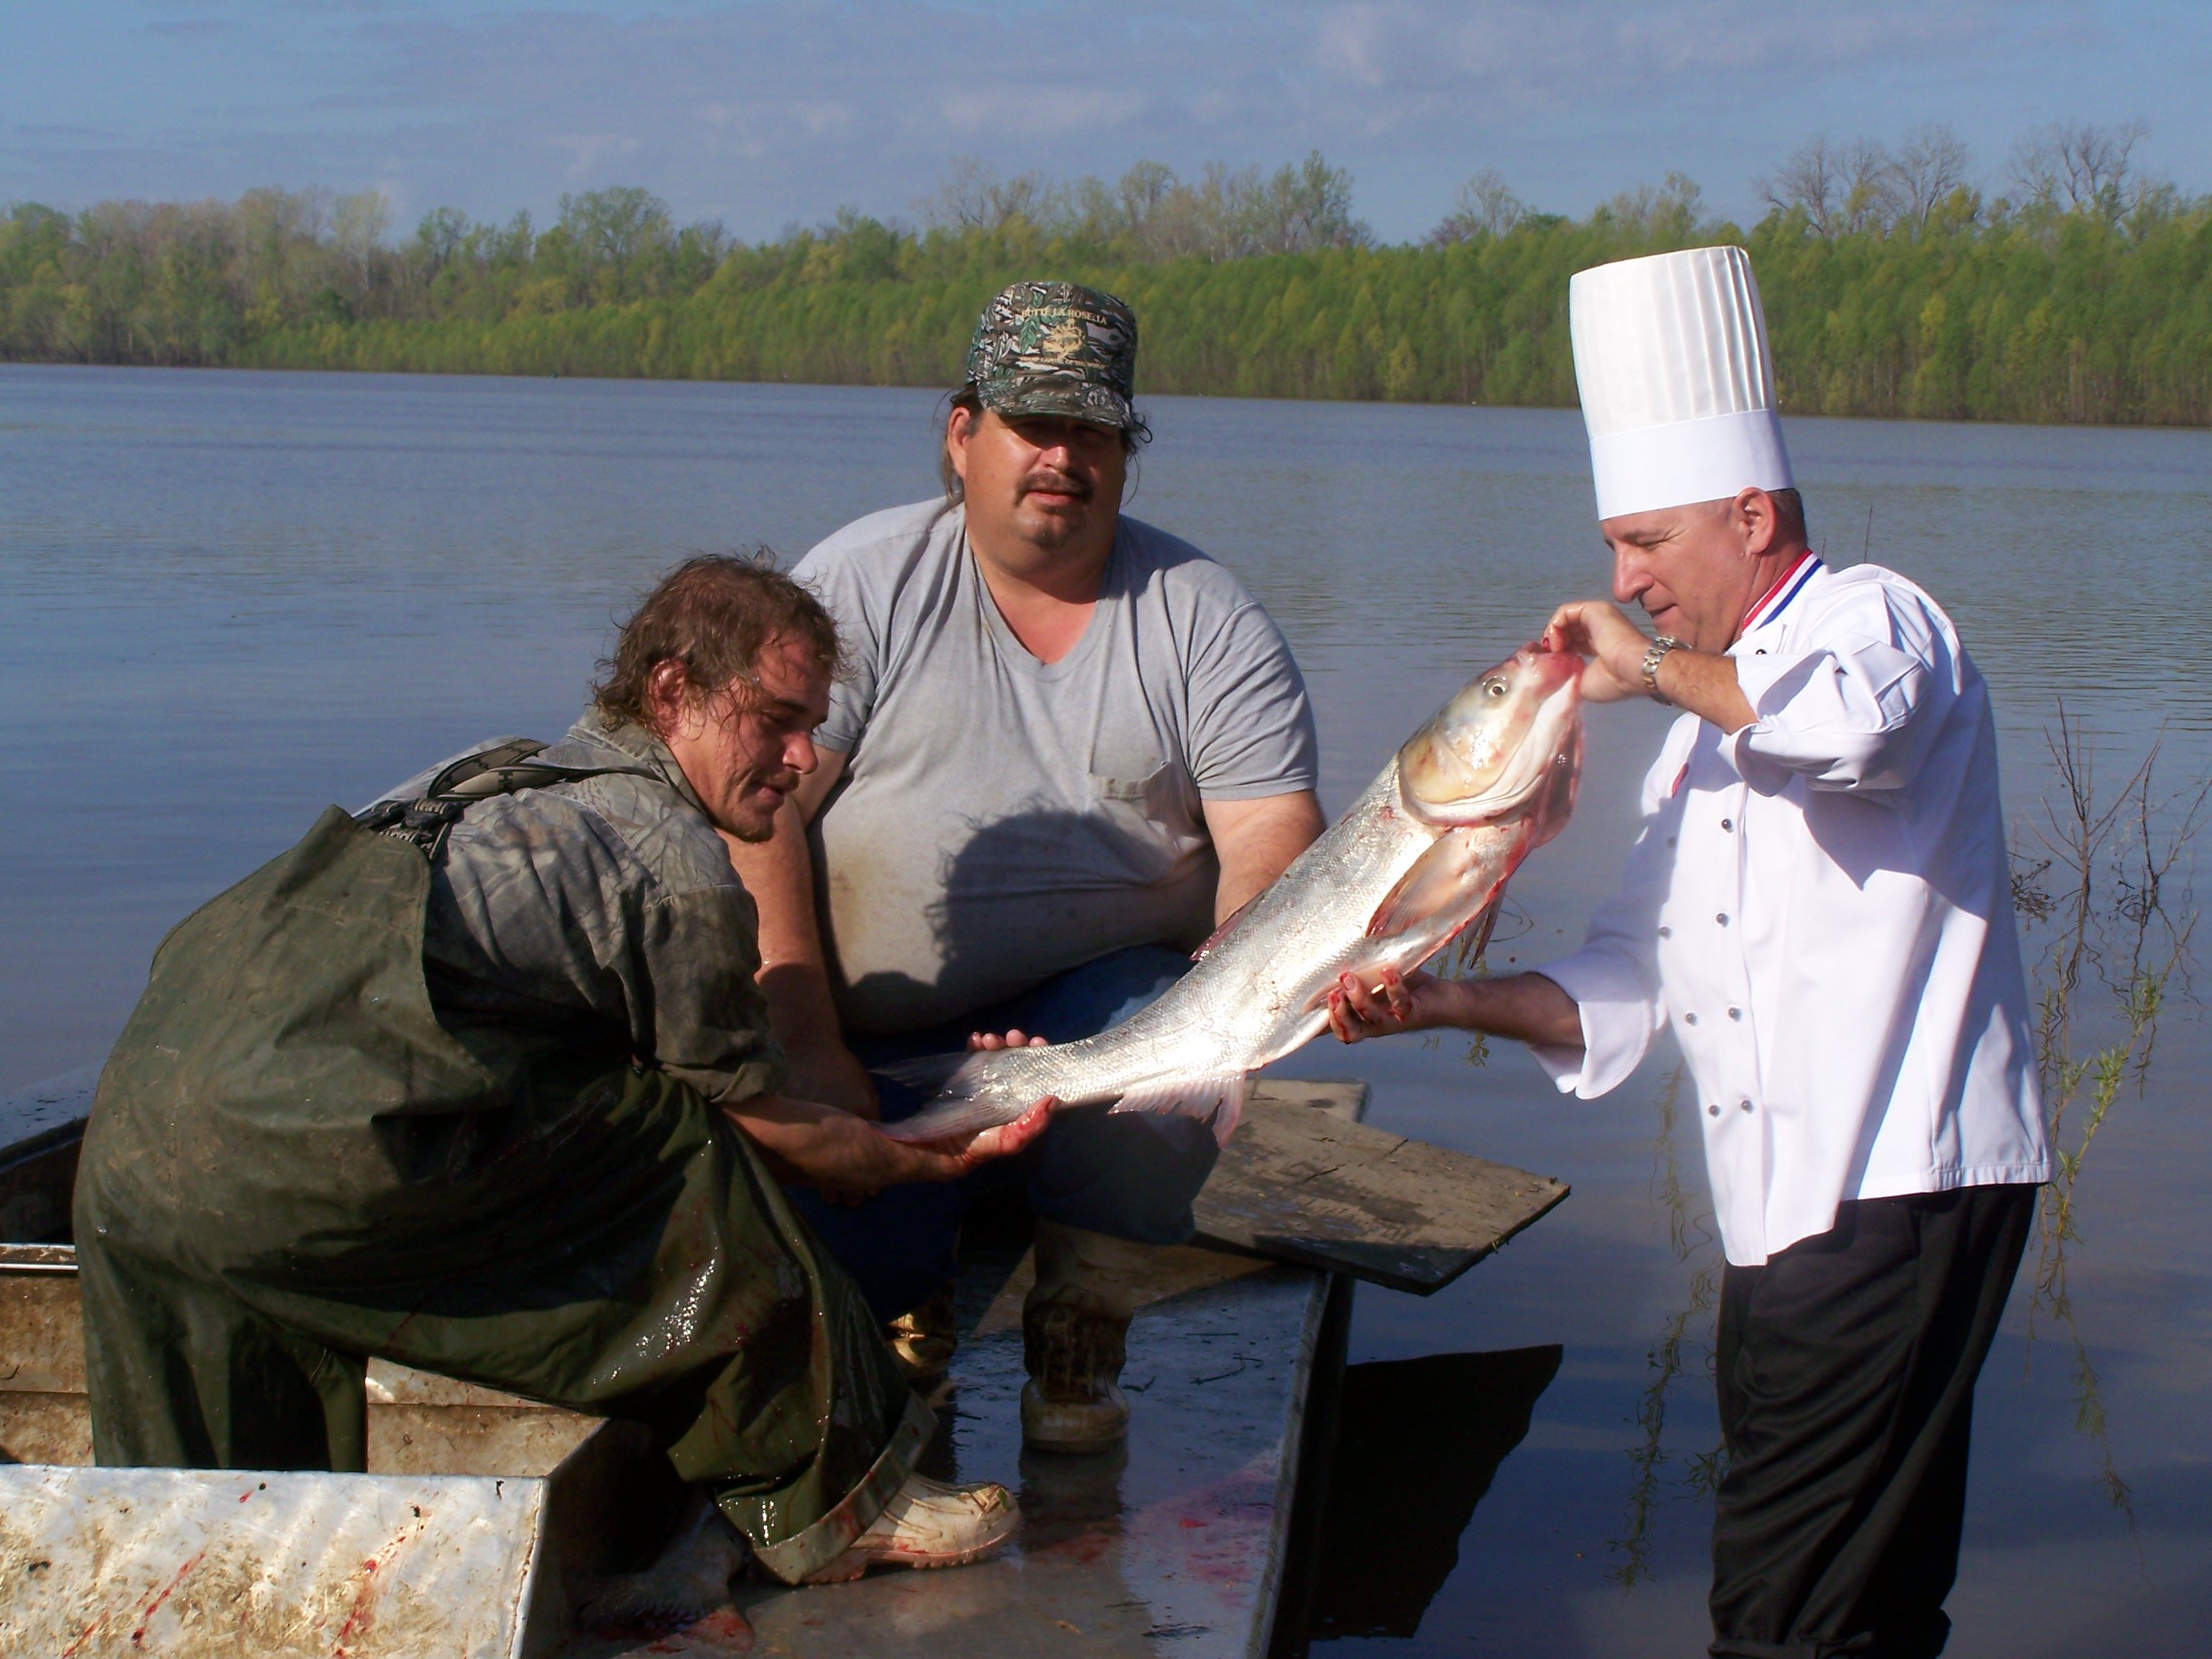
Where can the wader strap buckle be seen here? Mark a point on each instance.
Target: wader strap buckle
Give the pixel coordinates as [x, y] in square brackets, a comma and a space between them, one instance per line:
[427, 821]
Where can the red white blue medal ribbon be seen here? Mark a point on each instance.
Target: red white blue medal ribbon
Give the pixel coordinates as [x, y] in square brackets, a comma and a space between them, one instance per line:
[1787, 586]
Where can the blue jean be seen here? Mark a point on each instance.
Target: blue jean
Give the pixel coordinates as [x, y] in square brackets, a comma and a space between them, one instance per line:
[1133, 1175]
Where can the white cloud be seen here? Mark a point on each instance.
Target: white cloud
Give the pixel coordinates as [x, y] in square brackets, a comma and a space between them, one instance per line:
[772, 110]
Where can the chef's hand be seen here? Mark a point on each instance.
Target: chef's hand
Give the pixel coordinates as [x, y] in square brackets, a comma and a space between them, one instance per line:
[1395, 1002]
[1615, 646]
[846, 1159]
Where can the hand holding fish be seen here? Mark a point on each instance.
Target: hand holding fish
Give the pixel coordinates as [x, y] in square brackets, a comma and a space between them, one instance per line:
[1703, 682]
[1396, 1002]
[1615, 645]
[846, 1158]
[1527, 1007]
[983, 1042]
[950, 1157]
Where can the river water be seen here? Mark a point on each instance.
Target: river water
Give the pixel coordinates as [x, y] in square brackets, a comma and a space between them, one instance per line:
[227, 600]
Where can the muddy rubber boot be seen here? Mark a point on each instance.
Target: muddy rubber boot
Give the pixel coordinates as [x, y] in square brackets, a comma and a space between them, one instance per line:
[1075, 1328]
[928, 1524]
[923, 1340]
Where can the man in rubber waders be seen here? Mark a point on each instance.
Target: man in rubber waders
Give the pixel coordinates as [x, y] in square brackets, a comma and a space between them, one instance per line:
[1069, 748]
[1819, 903]
[479, 1081]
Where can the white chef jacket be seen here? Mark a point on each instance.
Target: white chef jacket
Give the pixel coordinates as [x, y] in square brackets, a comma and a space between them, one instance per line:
[1822, 904]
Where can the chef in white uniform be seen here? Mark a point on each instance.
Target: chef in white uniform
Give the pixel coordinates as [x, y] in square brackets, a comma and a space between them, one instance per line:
[1818, 904]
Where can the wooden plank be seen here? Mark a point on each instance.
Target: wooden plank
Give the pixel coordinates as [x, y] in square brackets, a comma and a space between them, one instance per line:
[1302, 1183]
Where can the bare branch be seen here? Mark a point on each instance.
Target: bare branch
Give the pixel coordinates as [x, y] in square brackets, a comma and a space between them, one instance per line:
[1484, 205]
[1932, 164]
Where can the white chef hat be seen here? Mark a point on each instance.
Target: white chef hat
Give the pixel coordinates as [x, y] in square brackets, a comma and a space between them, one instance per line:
[1677, 383]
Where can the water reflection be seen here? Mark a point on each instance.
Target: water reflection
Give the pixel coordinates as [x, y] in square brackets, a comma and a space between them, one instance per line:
[2107, 935]
[1417, 1443]
[1688, 1330]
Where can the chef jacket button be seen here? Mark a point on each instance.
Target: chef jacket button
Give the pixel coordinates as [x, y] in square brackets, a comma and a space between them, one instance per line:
[1666, 932]
[1728, 823]
[1689, 1019]
[1670, 840]
[1735, 1013]
[1712, 1111]
[1745, 1104]
[1722, 918]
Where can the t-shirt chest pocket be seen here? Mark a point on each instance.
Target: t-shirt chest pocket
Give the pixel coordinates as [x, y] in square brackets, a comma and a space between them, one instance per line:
[1140, 792]
[1142, 822]
[1142, 798]
[1126, 770]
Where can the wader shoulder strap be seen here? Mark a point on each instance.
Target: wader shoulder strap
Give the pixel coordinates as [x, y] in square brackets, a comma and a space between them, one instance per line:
[428, 819]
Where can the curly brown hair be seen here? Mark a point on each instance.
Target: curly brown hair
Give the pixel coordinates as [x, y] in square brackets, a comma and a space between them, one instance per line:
[714, 614]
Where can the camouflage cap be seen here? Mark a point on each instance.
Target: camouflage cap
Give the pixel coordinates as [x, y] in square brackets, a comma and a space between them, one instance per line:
[1056, 348]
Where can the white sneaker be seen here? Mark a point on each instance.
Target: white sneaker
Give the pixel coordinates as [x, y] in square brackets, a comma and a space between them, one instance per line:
[929, 1524]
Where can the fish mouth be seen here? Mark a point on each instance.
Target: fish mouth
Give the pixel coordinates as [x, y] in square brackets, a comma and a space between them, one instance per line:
[1525, 778]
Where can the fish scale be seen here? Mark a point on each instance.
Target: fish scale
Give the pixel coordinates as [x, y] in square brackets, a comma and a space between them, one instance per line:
[1425, 848]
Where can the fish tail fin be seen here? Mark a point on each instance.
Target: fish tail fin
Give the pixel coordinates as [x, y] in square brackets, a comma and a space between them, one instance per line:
[1217, 1101]
[925, 1074]
[962, 1092]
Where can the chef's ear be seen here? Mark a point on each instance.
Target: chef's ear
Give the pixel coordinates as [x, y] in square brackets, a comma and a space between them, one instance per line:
[1757, 520]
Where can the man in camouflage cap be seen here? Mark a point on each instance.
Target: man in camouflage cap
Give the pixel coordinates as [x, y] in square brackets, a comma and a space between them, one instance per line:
[1067, 746]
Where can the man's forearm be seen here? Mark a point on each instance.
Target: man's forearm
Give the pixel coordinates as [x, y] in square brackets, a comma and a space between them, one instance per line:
[1527, 1007]
[807, 1141]
[795, 973]
[1256, 840]
[1706, 684]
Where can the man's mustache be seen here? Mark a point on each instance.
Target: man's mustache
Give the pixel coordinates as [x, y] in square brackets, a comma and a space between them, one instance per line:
[1060, 483]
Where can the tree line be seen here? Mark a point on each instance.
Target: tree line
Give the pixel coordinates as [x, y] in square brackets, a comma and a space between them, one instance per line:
[2082, 291]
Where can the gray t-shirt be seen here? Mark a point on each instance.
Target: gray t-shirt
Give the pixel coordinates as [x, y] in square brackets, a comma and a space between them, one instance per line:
[1003, 819]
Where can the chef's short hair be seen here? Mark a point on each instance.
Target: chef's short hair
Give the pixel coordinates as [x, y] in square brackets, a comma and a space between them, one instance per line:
[713, 615]
[1789, 515]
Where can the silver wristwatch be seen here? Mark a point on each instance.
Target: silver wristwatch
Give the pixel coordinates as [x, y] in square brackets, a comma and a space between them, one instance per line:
[1657, 649]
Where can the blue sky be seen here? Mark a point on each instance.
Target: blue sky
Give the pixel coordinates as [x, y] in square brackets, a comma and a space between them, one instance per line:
[761, 113]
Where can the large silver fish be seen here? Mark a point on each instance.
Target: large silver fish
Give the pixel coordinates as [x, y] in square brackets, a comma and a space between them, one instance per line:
[1418, 857]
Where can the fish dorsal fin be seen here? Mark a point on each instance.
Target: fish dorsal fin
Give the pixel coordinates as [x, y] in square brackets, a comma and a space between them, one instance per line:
[1442, 879]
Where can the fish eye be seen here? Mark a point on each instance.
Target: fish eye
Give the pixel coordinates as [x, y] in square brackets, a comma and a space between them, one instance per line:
[1494, 687]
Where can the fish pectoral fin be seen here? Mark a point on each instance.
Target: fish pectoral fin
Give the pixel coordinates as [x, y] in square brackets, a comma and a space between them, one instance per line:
[1442, 878]
[1216, 1100]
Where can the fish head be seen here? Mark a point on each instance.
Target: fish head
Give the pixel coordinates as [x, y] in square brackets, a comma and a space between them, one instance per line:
[1508, 748]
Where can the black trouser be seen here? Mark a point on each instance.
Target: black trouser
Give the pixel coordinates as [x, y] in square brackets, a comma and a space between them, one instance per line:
[1846, 1367]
